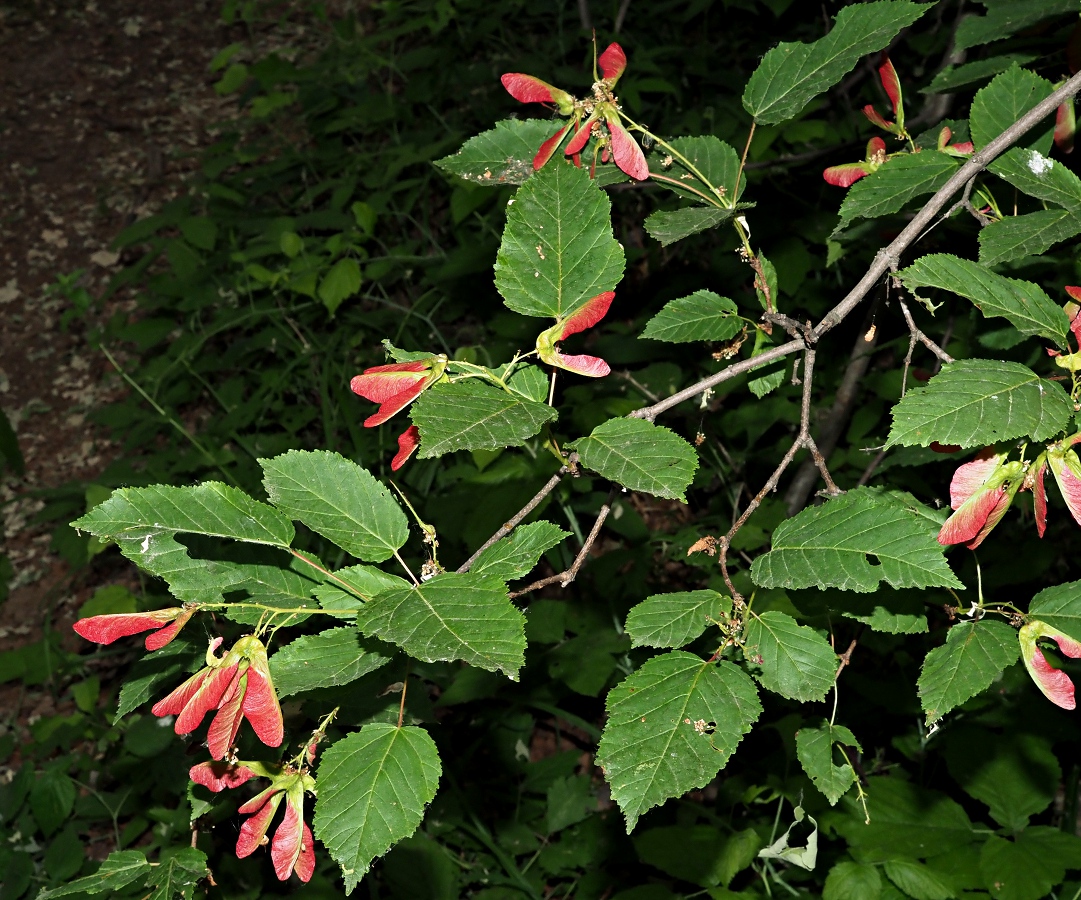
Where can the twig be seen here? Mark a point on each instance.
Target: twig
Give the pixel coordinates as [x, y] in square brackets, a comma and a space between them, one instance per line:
[621, 15]
[915, 334]
[871, 466]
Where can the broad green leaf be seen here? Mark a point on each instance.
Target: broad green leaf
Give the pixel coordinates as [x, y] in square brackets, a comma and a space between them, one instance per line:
[974, 655]
[518, 553]
[700, 854]
[976, 402]
[890, 187]
[468, 415]
[791, 75]
[712, 157]
[674, 620]
[671, 727]
[1059, 607]
[953, 77]
[337, 499]
[997, 106]
[354, 584]
[640, 456]
[1023, 303]
[854, 542]
[451, 616]
[795, 660]
[669, 226]
[52, 797]
[918, 881]
[1031, 234]
[892, 612]
[373, 788]
[558, 250]
[703, 316]
[328, 659]
[503, 155]
[289, 586]
[1040, 177]
[529, 381]
[1031, 865]
[157, 671]
[177, 874]
[1005, 18]
[120, 868]
[852, 881]
[814, 748]
[339, 284]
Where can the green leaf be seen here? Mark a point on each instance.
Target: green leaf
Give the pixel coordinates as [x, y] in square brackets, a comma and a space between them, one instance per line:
[918, 881]
[892, 612]
[518, 553]
[640, 456]
[289, 586]
[814, 748]
[790, 75]
[674, 620]
[671, 727]
[674, 225]
[155, 670]
[953, 77]
[177, 874]
[451, 616]
[1031, 234]
[997, 106]
[796, 661]
[1040, 177]
[503, 155]
[703, 316]
[890, 187]
[832, 545]
[363, 583]
[700, 854]
[529, 381]
[975, 402]
[52, 798]
[337, 499]
[1023, 303]
[711, 156]
[1028, 867]
[340, 283]
[852, 881]
[795, 849]
[329, 659]
[373, 787]
[120, 868]
[558, 250]
[1005, 18]
[974, 655]
[1059, 607]
[468, 415]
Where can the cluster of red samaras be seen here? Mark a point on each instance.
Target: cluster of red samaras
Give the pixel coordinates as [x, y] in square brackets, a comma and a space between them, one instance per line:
[600, 112]
[238, 686]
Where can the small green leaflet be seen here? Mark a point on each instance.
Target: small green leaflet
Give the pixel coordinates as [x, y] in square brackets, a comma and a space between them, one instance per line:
[451, 616]
[671, 727]
[916, 880]
[852, 881]
[1023, 303]
[997, 106]
[814, 748]
[1059, 607]
[339, 284]
[899, 180]
[953, 77]
[674, 225]
[796, 661]
[1031, 234]
[120, 868]
[703, 316]
[1040, 177]
[1005, 18]
[373, 788]
[328, 659]
[711, 156]
[503, 155]
[829, 546]
[468, 415]
[640, 456]
[674, 620]
[791, 75]
[515, 555]
[974, 655]
[976, 402]
[338, 499]
[558, 250]
[1029, 866]
[176, 874]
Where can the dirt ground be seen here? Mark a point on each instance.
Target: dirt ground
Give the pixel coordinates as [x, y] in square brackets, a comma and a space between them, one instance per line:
[104, 106]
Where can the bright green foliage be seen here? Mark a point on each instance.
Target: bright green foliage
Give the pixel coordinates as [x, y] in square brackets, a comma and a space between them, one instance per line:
[503, 155]
[469, 415]
[852, 881]
[713, 158]
[518, 553]
[795, 660]
[640, 456]
[339, 500]
[890, 187]
[558, 250]
[529, 381]
[451, 617]
[953, 77]
[1038, 176]
[974, 655]
[703, 316]
[672, 726]
[1059, 607]
[271, 585]
[1027, 235]
[373, 788]
[674, 225]
[176, 876]
[916, 880]
[353, 584]
[120, 868]
[975, 402]
[829, 546]
[790, 75]
[1003, 102]
[814, 748]
[674, 620]
[892, 612]
[328, 659]
[1005, 18]
[1023, 303]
